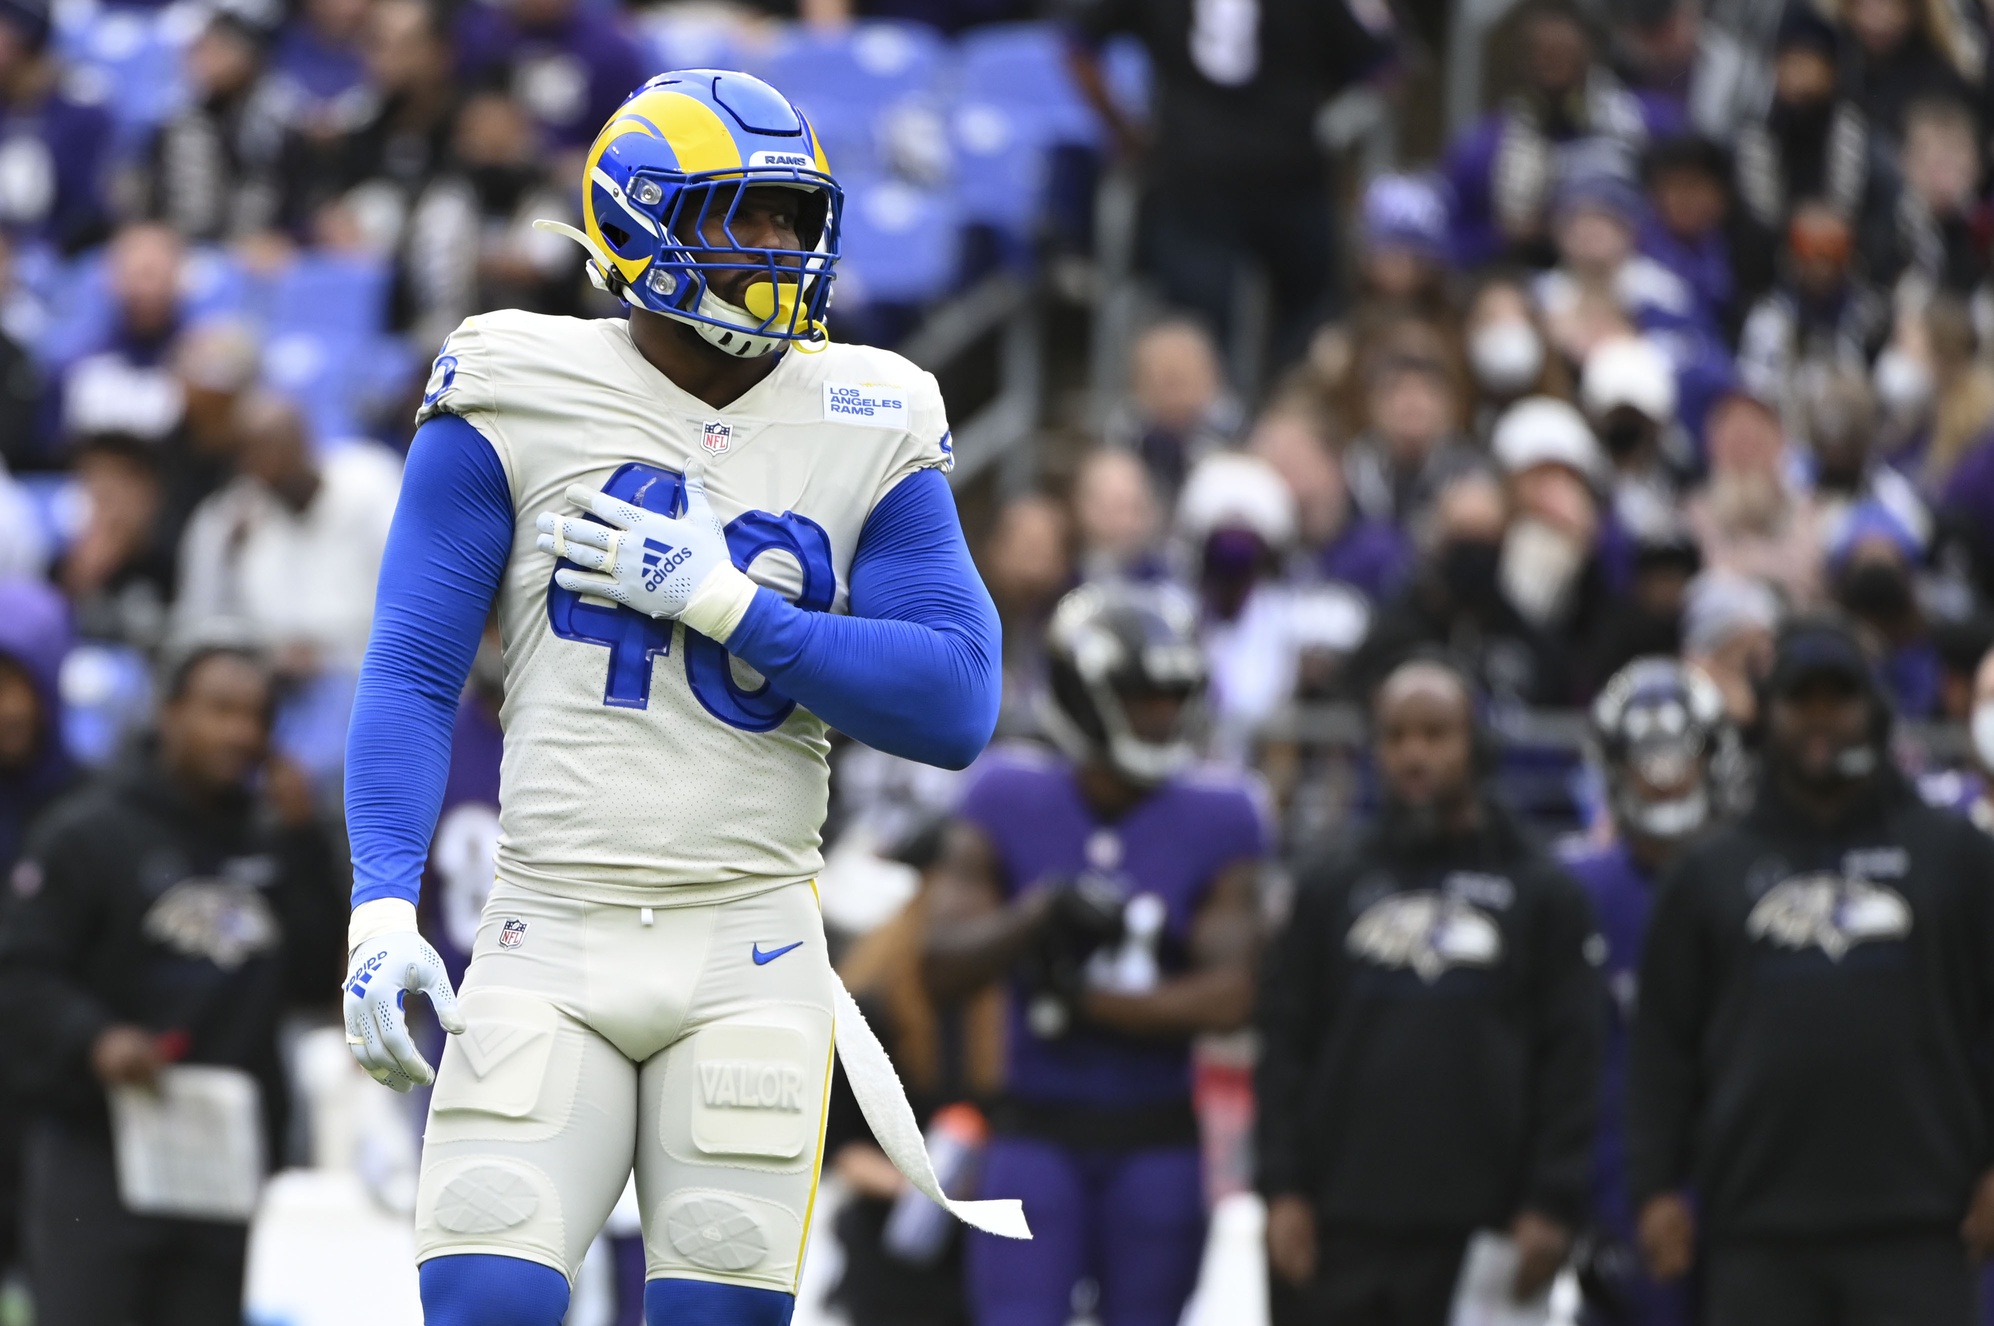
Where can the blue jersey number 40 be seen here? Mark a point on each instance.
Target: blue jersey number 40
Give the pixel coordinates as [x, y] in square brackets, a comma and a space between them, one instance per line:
[634, 640]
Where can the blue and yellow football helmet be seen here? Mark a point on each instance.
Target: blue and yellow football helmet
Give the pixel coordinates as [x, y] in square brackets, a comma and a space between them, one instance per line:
[679, 154]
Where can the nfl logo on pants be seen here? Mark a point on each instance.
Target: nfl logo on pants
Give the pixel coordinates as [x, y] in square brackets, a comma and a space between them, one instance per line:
[718, 436]
[512, 934]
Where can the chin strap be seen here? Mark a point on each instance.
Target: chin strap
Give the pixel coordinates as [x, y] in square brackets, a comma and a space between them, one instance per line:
[604, 276]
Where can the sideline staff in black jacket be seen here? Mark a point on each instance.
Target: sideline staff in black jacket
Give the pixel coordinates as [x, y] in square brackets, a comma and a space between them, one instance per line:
[1817, 1008]
[158, 914]
[1432, 1032]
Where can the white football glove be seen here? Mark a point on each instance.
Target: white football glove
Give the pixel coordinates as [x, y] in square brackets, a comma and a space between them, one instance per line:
[662, 566]
[380, 971]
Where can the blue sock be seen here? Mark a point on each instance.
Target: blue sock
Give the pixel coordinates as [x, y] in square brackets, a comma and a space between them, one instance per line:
[703, 1303]
[477, 1289]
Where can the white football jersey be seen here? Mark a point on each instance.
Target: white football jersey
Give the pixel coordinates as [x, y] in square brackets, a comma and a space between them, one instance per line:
[643, 765]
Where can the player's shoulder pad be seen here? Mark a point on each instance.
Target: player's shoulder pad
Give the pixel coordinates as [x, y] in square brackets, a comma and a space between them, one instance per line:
[862, 386]
[501, 353]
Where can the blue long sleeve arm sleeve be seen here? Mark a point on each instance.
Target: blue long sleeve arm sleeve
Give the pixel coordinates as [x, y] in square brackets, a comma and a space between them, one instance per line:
[915, 670]
[446, 551]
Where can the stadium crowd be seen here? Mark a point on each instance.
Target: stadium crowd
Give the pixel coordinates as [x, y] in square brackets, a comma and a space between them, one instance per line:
[1661, 392]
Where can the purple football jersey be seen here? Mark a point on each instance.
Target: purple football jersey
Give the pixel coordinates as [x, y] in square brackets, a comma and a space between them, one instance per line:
[1172, 845]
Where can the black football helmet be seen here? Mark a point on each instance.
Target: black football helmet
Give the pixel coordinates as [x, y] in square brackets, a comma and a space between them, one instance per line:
[1109, 643]
[1661, 722]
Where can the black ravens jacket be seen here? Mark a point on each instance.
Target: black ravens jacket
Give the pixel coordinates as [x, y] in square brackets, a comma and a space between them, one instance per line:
[132, 904]
[1432, 1030]
[1811, 1050]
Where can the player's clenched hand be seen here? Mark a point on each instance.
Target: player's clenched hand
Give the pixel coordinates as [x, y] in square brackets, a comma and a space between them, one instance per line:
[654, 563]
[379, 975]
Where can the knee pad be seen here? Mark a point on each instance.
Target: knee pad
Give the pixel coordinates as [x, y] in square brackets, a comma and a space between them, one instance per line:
[479, 1289]
[703, 1303]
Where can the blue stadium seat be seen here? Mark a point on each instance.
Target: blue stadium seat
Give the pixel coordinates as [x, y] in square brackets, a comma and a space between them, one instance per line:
[695, 40]
[130, 58]
[901, 244]
[57, 501]
[1021, 69]
[1001, 165]
[846, 79]
[320, 371]
[328, 294]
[106, 696]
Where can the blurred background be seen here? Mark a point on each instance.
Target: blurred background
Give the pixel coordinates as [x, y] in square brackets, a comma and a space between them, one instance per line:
[1557, 334]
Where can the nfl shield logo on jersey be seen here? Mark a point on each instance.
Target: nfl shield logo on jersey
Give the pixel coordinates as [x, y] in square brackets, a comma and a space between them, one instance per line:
[513, 933]
[718, 437]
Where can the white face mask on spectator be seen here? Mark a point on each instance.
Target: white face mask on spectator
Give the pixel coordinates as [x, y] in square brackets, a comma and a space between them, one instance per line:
[1903, 383]
[1540, 565]
[1506, 356]
[1983, 733]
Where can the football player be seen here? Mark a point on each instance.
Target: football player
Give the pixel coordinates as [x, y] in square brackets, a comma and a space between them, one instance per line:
[1672, 760]
[1114, 889]
[710, 536]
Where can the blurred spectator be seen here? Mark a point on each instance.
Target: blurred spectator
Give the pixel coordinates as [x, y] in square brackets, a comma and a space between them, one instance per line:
[1961, 645]
[1825, 959]
[568, 64]
[1690, 230]
[1820, 316]
[1236, 522]
[318, 70]
[292, 547]
[1665, 749]
[123, 384]
[21, 384]
[165, 914]
[1933, 234]
[1112, 891]
[1179, 407]
[1728, 626]
[1236, 92]
[1838, 419]
[357, 189]
[1749, 516]
[1412, 444]
[118, 570]
[1646, 615]
[1936, 393]
[1980, 729]
[1628, 388]
[1903, 50]
[55, 148]
[210, 173]
[1455, 601]
[34, 771]
[951, 1057]
[1549, 571]
[1812, 143]
[1402, 257]
[1872, 561]
[1596, 220]
[1431, 1035]
[471, 243]
[1027, 563]
[1508, 357]
[1115, 518]
[1571, 113]
[1334, 541]
[215, 364]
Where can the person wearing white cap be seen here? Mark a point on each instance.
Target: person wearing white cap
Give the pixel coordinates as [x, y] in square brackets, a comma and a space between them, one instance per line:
[1628, 388]
[1552, 462]
[1236, 520]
